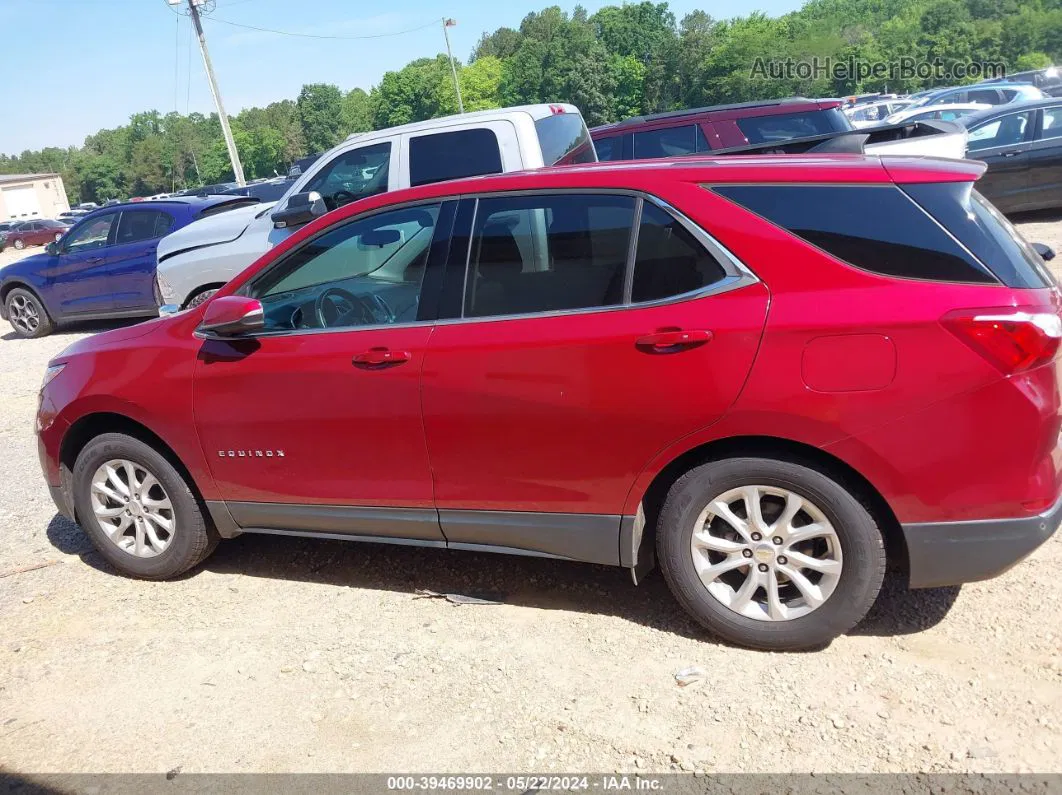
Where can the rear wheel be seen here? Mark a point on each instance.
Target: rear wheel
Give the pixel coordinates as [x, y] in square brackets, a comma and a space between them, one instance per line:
[58, 236]
[138, 509]
[27, 314]
[769, 554]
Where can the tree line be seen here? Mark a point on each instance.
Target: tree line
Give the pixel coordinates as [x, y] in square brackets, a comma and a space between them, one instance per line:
[620, 61]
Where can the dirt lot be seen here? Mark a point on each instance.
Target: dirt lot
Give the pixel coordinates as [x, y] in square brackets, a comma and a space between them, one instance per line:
[291, 655]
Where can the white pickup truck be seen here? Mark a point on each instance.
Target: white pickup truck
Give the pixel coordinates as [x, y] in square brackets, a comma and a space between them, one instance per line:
[198, 259]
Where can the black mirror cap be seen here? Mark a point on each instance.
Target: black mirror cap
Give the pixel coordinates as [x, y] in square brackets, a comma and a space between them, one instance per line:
[1045, 251]
[52, 248]
[301, 208]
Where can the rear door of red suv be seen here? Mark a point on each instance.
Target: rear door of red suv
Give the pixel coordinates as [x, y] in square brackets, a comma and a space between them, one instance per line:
[589, 331]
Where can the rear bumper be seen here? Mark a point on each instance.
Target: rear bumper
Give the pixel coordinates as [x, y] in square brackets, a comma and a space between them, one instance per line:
[951, 553]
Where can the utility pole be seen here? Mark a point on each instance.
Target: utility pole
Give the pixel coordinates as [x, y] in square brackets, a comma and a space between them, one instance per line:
[234, 156]
[449, 23]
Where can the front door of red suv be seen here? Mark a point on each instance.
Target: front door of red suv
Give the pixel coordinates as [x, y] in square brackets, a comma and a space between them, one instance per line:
[314, 424]
[593, 331]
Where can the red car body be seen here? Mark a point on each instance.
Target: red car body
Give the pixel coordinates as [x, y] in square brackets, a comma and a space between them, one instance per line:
[35, 233]
[947, 424]
[701, 130]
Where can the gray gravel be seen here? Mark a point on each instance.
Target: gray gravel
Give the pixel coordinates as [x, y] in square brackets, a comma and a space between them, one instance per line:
[298, 655]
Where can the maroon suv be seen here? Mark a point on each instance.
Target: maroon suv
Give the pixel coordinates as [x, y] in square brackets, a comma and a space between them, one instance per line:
[686, 132]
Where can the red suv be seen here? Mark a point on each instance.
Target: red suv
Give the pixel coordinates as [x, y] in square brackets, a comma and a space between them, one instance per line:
[686, 132]
[765, 373]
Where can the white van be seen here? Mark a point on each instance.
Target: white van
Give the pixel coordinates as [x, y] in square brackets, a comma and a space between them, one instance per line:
[198, 259]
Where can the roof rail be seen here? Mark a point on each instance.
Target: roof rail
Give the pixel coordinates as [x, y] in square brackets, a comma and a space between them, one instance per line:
[842, 142]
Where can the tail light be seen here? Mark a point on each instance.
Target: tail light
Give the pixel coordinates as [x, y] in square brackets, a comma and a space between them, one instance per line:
[1014, 339]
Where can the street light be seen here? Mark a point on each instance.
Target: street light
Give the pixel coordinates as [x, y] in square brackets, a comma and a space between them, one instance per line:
[449, 23]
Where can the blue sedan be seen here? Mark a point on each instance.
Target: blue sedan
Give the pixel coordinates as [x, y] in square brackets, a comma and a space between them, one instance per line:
[103, 267]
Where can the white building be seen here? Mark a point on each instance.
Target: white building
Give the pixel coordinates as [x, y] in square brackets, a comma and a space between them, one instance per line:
[24, 196]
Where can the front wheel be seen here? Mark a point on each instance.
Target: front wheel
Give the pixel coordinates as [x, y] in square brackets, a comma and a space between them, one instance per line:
[769, 554]
[201, 297]
[138, 509]
[58, 236]
[20, 244]
[27, 314]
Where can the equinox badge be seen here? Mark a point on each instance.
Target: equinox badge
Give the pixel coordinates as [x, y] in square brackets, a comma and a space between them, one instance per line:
[251, 453]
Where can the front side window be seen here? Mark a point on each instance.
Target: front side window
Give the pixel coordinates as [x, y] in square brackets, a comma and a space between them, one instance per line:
[609, 148]
[875, 228]
[670, 142]
[669, 260]
[89, 235]
[1007, 131]
[353, 175]
[548, 253]
[367, 272]
[452, 155]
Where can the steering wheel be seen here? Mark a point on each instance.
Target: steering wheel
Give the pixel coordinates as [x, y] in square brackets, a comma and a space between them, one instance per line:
[345, 195]
[335, 304]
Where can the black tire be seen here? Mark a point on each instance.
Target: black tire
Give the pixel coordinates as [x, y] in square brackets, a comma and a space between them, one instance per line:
[20, 244]
[201, 296]
[193, 539]
[44, 326]
[860, 540]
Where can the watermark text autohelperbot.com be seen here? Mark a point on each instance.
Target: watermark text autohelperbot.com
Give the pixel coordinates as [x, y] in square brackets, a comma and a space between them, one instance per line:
[858, 69]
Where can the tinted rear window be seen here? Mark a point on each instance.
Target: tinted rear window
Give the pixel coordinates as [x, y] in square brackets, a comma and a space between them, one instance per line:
[877, 228]
[981, 228]
[564, 140]
[609, 148]
[670, 142]
[783, 126]
[441, 156]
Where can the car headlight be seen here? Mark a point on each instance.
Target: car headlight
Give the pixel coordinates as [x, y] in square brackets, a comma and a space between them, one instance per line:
[50, 374]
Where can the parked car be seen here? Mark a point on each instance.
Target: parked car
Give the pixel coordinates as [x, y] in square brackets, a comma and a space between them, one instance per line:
[950, 112]
[1022, 145]
[104, 266]
[196, 261]
[988, 94]
[302, 164]
[868, 114]
[478, 340]
[33, 233]
[723, 127]
[269, 191]
[72, 215]
[1048, 80]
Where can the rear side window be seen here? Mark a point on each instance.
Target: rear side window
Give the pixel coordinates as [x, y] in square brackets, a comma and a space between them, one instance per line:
[984, 231]
[564, 140]
[670, 142]
[142, 225]
[548, 253]
[876, 228]
[988, 96]
[669, 261]
[783, 126]
[453, 155]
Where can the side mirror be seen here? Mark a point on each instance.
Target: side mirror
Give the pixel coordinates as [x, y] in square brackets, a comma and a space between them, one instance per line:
[301, 208]
[1045, 251]
[232, 316]
[53, 249]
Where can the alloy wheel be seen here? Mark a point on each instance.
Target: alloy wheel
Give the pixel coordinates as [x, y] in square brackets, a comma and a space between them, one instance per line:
[201, 298]
[132, 508]
[20, 244]
[25, 316]
[766, 553]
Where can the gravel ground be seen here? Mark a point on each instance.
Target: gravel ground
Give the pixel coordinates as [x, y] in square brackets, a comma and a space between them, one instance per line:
[298, 655]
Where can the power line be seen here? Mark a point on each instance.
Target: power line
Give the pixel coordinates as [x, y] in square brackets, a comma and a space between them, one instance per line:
[316, 36]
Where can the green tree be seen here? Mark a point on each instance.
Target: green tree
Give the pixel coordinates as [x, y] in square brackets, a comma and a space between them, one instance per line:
[319, 110]
[481, 83]
[357, 112]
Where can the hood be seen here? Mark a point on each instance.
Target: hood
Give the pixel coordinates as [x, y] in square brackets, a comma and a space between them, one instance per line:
[210, 231]
[24, 264]
[106, 339]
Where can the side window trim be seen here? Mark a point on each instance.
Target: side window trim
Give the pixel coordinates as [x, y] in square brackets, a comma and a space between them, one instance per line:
[737, 273]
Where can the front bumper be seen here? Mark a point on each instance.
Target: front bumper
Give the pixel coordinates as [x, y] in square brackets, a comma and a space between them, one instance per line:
[951, 553]
[62, 501]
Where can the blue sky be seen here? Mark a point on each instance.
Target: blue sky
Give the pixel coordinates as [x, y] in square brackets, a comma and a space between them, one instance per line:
[90, 64]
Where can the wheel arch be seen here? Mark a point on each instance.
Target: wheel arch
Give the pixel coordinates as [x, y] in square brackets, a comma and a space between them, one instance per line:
[201, 288]
[785, 450]
[89, 426]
